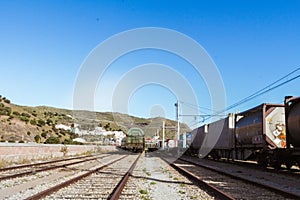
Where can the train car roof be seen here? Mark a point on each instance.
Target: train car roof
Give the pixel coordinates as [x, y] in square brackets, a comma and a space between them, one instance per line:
[292, 99]
[259, 108]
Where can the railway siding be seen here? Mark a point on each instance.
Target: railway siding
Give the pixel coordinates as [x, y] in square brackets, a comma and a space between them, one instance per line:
[155, 179]
[99, 184]
[287, 184]
[27, 186]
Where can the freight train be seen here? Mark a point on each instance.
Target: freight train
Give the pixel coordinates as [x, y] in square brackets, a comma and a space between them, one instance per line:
[135, 141]
[268, 133]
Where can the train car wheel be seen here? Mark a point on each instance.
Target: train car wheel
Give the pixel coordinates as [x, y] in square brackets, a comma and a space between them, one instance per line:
[277, 165]
[288, 165]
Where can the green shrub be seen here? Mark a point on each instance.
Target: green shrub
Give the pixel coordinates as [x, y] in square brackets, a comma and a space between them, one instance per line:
[69, 141]
[6, 101]
[37, 138]
[52, 140]
[33, 122]
[143, 191]
[5, 110]
[25, 115]
[16, 113]
[44, 134]
[24, 119]
[49, 122]
[62, 132]
[41, 122]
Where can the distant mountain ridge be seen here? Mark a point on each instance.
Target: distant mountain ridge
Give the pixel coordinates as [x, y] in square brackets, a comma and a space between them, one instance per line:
[37, 124]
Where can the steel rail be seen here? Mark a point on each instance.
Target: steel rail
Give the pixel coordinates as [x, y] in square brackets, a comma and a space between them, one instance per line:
[46, 168]
[269, 187]
[38, 164]
[218, 193]
[119, 188]
[70, 181]
[290, 172]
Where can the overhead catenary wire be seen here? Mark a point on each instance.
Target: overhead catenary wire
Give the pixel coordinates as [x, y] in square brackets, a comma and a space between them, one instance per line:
[260, 92]
[264, 90]
[196, 107]
[276, 84]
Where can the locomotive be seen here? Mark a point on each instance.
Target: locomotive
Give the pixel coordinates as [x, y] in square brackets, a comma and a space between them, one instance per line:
[268, 133]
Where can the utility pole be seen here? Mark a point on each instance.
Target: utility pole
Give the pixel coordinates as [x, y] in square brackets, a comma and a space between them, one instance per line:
[163, 136]
[178, 123]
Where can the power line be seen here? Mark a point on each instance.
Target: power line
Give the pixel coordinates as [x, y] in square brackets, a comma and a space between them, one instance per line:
[281, 84]
[196, 107]
[250, 97]
[262, 91]
[256, 94]
[259, 92]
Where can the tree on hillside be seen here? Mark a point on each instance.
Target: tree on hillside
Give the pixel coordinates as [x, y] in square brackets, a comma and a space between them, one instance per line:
[49, 122]
[6, 100]
[16, 113]
[107, 126]
[4, 110]
[41, 122]
[44, 134]
[33, 122]
[37, 138]
[24, 119]
[25, 115]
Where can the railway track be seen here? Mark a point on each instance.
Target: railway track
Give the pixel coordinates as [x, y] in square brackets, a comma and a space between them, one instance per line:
[283, 170]
[118, 190]
[40, 163]
[28, 169]
[199, 181]
[25, 186]
[103, 178]
[104, 181]
[153, 178]
[269, 186]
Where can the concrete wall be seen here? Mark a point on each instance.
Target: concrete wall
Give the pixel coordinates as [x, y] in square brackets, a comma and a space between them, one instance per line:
[15, 151]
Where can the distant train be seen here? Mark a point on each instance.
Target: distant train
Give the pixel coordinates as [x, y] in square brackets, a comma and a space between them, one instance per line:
[135, 141]
[268, 133]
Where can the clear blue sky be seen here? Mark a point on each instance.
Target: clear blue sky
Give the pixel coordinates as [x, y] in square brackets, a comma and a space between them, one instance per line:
[44, 43]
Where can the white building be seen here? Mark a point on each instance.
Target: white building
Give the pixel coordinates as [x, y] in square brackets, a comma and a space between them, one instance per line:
[61, 126]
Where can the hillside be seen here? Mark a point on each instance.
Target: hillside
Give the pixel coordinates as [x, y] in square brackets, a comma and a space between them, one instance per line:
[37, 124]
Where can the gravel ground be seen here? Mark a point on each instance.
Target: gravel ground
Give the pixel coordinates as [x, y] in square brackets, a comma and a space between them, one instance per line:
[154, 179]
[240, 189]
